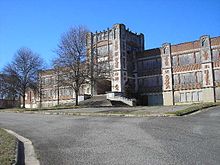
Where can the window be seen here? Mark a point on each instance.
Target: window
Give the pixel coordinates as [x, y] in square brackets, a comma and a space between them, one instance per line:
[215, 55]
[197, 58]
[102, 51]
[186, 59]
[177, 98]
[123, 45]
[175, 60]
[199, 77]
[190, 58]
[159, 63]
[187, 78]
[182, 97]
[182, 79]
[182, 60]
[217, 75]
[123, 63]
[140, 82]
[159, 80]
[188, 97]
[176, 79]
[195, 96]
[200, 96]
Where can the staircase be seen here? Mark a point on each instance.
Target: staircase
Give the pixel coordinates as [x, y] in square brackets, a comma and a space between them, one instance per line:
[106, 101]
[96, 101]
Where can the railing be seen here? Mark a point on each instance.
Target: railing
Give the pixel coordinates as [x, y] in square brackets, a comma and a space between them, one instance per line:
[116, 96]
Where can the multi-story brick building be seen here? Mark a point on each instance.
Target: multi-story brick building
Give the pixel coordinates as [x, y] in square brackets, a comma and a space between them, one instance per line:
[182, 73]
[171, 74]
[191, 71]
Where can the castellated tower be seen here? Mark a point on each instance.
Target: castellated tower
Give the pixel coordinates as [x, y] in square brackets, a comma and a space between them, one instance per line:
[113, 50]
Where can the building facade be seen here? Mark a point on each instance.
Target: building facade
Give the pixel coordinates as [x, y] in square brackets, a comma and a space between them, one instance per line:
[172, 74]
[191, 71]
[169, 75]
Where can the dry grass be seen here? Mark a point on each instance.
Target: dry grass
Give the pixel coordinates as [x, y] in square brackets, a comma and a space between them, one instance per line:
[193, 108]
[7, 148]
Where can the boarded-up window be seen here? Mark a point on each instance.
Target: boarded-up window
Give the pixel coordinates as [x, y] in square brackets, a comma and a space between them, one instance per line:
[217, 75]
[186, 59]
[182, 79]
[200, 96]
[188, 97]
[195, 96]
[217, 93]
[187, 78]
[215, 55]
[198, 58]
[177, 97]
[199, 77]
[191, 59]
[192, 77]
[176, 79]
[175, 60]
[102, 51]
[182, 97]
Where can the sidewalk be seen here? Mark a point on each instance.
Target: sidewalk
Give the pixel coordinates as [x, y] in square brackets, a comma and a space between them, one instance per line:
[139, 111]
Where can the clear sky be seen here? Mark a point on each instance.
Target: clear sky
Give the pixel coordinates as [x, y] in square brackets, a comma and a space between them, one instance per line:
[38, 24]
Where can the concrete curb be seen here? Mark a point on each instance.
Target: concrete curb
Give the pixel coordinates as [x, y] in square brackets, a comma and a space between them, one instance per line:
[29, 153]
[97, 114]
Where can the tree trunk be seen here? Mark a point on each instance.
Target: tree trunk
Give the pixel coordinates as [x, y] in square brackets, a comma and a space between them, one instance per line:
[23, 101]
[76, 92]
[58, 95]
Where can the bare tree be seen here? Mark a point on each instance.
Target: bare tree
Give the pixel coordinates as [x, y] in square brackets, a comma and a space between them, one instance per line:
[8, 86]
[24, 70]
[72, 59]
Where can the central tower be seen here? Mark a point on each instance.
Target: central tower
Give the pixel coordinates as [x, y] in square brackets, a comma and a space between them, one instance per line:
[114, 50]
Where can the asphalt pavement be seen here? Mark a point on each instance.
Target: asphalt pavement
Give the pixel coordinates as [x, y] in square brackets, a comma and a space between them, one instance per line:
[60, 139]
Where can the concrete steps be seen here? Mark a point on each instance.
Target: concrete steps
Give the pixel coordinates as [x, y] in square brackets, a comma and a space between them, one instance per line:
[101, 101]
[96, 101]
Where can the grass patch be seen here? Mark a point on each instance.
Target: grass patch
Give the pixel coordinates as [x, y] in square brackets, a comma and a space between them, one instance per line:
[57, 107]
[7, 148]
[193, 108]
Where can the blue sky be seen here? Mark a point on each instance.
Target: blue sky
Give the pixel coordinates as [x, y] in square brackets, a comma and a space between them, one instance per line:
[38, 24]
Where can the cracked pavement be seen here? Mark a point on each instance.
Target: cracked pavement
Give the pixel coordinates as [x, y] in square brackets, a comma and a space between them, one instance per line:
[60, 139]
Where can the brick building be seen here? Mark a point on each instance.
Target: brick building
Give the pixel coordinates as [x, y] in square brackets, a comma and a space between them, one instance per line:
[171, 74]
[52, 92]
[191, 71]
